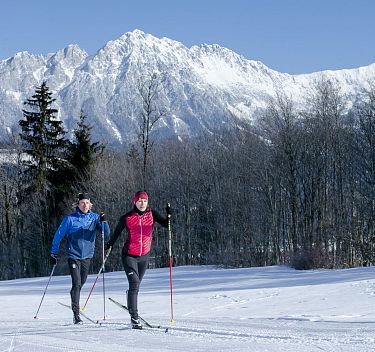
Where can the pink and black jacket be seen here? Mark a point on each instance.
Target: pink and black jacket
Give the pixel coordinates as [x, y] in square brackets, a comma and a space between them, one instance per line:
[139, 226]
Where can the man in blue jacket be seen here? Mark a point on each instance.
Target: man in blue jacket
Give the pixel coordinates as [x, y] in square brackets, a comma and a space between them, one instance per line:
[80, 228]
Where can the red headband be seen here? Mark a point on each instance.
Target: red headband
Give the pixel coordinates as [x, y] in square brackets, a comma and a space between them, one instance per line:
[138, 195]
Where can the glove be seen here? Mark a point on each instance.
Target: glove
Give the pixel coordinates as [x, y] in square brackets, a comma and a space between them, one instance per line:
[168, 209]
[53, 259]
[108, 245]
[102, 216]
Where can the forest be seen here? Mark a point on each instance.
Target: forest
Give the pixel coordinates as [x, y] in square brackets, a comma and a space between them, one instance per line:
[295, 187]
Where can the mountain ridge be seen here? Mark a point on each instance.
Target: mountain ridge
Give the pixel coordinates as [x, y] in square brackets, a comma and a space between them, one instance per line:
[204, 85]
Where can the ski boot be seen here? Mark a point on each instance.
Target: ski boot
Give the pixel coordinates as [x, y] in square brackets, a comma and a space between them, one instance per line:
[77, 319]
[136, 324]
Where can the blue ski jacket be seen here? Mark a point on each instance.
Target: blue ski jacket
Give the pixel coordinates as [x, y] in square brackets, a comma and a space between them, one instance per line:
[80, 230]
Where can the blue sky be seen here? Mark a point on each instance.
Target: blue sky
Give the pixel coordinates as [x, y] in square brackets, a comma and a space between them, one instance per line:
[293, 36]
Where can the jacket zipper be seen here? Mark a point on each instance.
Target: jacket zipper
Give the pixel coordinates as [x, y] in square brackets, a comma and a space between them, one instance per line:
[83, 242]
[141, 240]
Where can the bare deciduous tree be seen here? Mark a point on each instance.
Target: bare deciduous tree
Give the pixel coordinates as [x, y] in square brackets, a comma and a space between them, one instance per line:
[151, 111]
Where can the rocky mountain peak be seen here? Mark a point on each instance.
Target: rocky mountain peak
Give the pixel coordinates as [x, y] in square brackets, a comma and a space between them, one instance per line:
[203, 85]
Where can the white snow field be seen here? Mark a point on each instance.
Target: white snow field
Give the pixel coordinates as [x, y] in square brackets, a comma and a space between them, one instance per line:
[252, 309]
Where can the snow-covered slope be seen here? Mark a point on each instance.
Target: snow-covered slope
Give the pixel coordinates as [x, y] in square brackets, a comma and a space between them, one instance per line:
[273, 309]
[204, 84]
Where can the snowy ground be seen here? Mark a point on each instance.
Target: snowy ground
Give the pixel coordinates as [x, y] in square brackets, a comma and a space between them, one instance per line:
[254, 309]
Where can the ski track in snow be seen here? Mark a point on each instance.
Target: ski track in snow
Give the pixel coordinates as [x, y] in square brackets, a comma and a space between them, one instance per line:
[291, 335]
[326, 311]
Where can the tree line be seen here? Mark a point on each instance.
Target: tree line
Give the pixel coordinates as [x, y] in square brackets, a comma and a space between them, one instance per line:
[297, 187]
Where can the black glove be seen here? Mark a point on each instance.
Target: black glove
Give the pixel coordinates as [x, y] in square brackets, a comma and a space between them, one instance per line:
[102, 216]
[108, 245]
[168, 209]
[53, 259]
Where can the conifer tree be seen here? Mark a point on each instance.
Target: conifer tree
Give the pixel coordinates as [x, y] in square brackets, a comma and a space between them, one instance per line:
[82, 152]
[45, 146]
[44, 141]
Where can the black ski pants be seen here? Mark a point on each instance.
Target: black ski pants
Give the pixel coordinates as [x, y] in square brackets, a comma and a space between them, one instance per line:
[79, 269]
[135, 268]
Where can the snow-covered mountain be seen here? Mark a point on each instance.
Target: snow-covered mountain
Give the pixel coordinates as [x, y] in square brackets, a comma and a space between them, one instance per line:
[204, 85]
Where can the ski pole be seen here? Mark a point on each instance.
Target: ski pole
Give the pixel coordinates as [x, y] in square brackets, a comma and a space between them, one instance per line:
[96, 279]
[103, 256]
[170, 262]
[40, 304]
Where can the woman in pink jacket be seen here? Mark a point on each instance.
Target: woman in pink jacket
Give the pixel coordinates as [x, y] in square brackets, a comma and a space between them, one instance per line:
[139, 224]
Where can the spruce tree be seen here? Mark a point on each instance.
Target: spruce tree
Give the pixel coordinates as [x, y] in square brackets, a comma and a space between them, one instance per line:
[44, 149]
[44, 141]
[82, 152]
